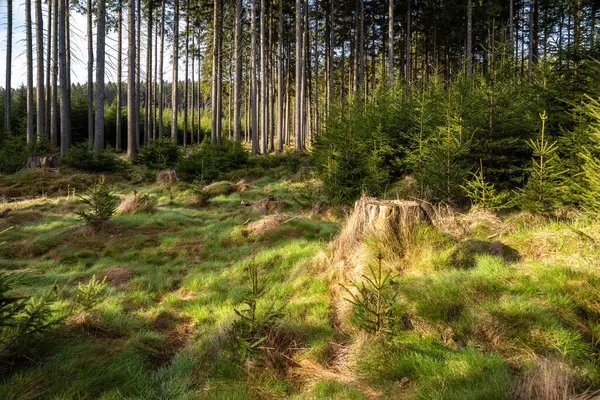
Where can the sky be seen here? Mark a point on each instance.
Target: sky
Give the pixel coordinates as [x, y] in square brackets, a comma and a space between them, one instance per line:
[78, 47]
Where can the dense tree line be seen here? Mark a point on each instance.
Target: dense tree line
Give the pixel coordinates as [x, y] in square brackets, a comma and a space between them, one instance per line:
[277, 73]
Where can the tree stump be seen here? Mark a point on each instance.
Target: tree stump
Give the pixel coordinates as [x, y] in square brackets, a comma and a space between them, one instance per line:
[42, 162]
[167, 176]
[399, 216]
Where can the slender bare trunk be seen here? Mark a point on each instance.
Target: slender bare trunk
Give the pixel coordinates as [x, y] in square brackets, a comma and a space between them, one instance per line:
[299, 68]
[185, 87]
[54, 108]
[392, 76]
[263, 80]
[131, 142]
[40, 97]
[280, 80]
[215, 133]
[253, 105]
[408, 45]
[100, 54]
[48, 88]
[29, 51]
[148, 117]
[90, 71]
[237, 95]
[65, 121]
[138, 74]
[7, 91]
[119, 139]
[469, 37]
[175, 71]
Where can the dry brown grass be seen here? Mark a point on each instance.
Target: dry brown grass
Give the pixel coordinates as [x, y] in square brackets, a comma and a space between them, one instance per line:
[135, 203]
[264, 225]
[461, 225]
[549, 379]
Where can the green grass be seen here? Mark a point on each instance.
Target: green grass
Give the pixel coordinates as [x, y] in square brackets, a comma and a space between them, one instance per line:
[469, 322]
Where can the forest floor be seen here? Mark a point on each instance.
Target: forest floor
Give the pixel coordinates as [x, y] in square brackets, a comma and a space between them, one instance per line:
[493, 307]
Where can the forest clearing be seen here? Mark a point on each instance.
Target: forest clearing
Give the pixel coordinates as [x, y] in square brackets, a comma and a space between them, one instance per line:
[309, 199]
[478, 306]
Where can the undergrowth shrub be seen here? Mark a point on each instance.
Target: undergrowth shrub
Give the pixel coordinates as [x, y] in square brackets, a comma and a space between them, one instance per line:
[101, 204]
[202, 196]
[90, 294]
[80, 157]
[14, 152]
[541, 194]
[22, 317]
[252, 327]
[373, 299]
[208, 161]
[591, 158]
[159, 154]
[483, 194]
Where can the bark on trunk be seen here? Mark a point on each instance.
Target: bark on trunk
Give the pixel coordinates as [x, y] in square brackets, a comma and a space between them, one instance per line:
[29, 51]
[237, 95]
[253, 99]
[7, 86]
[90, 66]
[469, 37]
[392, 73]
[100, 54]
[54, 84]
[161, 95]
[119, 139]
[65, 121]
[40, 102]
[299, 67]
[131, 142]
[175, 71]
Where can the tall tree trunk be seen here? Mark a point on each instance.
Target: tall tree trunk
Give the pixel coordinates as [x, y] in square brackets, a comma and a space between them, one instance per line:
[161, 95]
[237, 95]
[7, 86]
[148, 117]
[90, 71]
[138, 75]
[131, 103]
[271, 85]
[253, 100]
[40, 97]
[360, 64]
[100, 55]
[29, 51]
[469, 37]
[193, 91]
[65, 121]
[331, 78]
[155, 85]
[54, 84]
[408, 46]
[315, 128]
[185, 86]
[48, 88]
[392, 76]
[280, 80]
[299, 67]
[511, 28]
[175, 71]
[214, 133]
[531, 40]
[119, 139]
[263, 79]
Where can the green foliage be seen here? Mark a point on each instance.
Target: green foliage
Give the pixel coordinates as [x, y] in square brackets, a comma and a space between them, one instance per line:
[90, 294]
[444, 167]
[202, 195]
[541, 194]
[482, 193]
[351, 155]
[158, 154]
[23, 317]
[208, 161]
[591, 158]
[374, 299]
[80, 157]
[14, 152]
[101, 204]
[251, 329]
